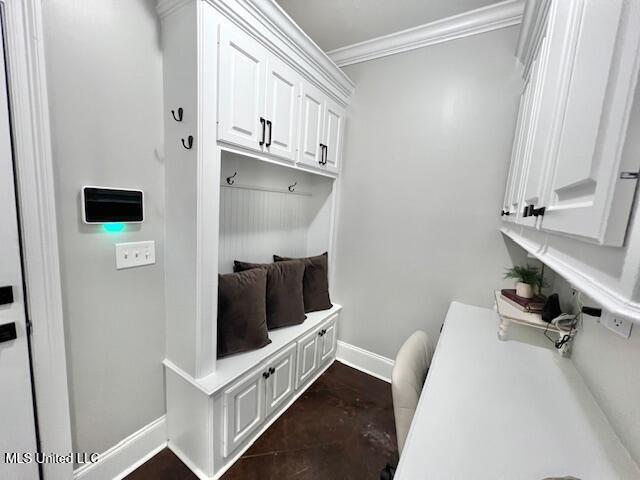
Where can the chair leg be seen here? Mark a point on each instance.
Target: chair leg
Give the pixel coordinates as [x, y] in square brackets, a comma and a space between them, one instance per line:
[388, 472]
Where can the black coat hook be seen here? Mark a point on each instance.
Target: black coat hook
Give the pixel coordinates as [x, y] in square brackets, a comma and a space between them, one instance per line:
[179, 117]
[189, 143]
[230, 180]
[293, 187]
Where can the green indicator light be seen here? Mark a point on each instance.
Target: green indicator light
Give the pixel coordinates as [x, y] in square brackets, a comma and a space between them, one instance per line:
[113, 227]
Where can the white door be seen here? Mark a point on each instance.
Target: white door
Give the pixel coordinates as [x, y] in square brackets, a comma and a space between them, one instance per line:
[17, 425]
[333, 135]
[282, 110]
[312, 135]
[282, 379]
[307, 357]
[594, 102]
[328, 341]
[241, 92]
[244, 409]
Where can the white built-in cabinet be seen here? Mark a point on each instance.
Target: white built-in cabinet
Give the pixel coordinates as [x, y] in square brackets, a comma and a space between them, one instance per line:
[241, 108]
[244, 410]
[567, 175]
[266, 107]
[307, 357]
[321, 138]
[258, 97]
[333, 121]
[263, 392]
[244, 88]
[257, 396]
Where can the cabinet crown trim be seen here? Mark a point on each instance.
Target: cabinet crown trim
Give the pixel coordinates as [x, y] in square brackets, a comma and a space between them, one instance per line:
[485, 19]
[279, 24]
[533, 26]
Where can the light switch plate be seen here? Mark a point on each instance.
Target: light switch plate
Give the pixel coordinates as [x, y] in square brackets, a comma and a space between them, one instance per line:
[135, 254]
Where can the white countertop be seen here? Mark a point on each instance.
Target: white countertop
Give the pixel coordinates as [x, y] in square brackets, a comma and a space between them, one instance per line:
[506, 411]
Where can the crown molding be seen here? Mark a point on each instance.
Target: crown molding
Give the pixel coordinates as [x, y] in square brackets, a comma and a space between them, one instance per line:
[266, 21]
[493, 17]
[534, 22]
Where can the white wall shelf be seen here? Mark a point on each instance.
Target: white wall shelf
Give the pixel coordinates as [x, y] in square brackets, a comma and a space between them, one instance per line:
[610, 299]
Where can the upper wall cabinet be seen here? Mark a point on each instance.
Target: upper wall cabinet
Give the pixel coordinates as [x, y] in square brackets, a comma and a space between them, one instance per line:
[322, 131]
[567, 174]
[258, 97]
[266, 107]
[241, 99]
[312, 108]
[282, 112]
[333, 135]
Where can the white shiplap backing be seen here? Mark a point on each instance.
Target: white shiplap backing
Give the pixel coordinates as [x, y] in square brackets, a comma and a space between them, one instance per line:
[259, 217]
[255, 224]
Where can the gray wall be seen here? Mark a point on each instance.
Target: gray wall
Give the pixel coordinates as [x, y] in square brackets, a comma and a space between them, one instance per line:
[426, 155]
[105, 87]
[608, 364]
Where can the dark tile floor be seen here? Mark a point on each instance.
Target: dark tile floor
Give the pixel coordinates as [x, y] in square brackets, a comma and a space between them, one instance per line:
[340, 428]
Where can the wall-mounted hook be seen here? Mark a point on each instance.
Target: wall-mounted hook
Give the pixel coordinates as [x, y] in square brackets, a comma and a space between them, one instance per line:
[189, 143]
[293, 187]
[230, 180]
[179, 117]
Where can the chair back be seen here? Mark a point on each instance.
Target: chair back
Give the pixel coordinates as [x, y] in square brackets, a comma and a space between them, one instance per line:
[407, 379]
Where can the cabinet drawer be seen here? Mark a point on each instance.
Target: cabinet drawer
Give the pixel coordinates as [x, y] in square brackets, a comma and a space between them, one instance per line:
[243, 410]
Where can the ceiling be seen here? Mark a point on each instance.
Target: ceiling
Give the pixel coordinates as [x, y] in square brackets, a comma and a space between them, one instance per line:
[338, 23]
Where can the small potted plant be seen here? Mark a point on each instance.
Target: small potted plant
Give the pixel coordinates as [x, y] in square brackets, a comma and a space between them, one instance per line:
[529, 280]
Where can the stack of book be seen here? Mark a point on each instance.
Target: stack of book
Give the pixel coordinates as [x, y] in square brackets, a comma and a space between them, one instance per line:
[529, 305]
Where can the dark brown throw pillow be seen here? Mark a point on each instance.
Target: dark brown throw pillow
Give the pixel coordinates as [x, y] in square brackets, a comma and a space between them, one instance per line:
[315, 282]
[285, 304]
[242, 314]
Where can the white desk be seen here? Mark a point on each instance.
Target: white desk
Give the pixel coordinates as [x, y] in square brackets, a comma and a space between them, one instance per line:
[506, 411]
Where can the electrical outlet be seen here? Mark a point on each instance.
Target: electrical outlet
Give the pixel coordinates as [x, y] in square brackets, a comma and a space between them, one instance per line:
[135, 254]
[616, 323]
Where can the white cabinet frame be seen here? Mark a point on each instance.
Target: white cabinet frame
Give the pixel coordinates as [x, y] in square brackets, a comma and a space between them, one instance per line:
[574, 128]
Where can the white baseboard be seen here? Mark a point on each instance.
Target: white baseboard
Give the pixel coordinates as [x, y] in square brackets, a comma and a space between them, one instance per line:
[187, 461]
[124, 457]
[365, 361]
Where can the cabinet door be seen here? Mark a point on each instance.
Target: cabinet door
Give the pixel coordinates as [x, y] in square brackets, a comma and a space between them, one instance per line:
[520, 149]
[307, 357]
[244, 410]
[538, 129]
[594, 94]
[282, 109]
[241, 92]
[509, 212]
[328, 341]
[311, 136]
[334, 117]
[281, 381]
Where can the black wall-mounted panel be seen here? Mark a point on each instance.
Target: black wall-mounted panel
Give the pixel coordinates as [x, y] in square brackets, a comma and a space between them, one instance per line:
[106, 205]
[6, 295]
[8, 332]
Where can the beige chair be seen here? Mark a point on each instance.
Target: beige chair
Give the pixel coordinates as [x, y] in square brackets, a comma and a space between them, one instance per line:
[407, 379]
